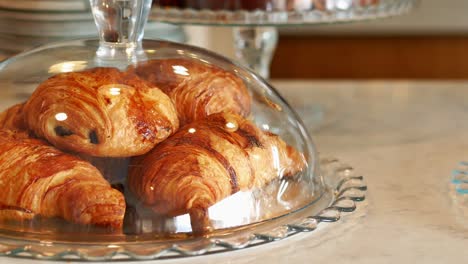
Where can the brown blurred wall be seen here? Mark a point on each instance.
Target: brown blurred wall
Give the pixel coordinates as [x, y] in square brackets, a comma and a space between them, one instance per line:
[431, 42]
[363, 57]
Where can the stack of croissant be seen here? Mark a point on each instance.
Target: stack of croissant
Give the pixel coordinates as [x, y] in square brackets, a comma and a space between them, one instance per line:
[182, 123]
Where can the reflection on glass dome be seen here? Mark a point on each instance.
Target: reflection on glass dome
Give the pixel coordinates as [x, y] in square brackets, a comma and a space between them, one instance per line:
[68, 66]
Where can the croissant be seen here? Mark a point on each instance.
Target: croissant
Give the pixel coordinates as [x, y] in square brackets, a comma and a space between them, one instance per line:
[13, 118]
[197, 89]
[207, 161]
[42, 180]
[101, 112]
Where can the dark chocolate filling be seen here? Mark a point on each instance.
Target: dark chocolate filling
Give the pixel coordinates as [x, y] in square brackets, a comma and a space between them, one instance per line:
[93, 138]
[62, 131]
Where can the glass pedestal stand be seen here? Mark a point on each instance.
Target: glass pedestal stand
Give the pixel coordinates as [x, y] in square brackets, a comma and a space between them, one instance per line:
[255, 47]
[255, 22]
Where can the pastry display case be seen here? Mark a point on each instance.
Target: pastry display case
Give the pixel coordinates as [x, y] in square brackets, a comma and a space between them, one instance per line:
[142, 149]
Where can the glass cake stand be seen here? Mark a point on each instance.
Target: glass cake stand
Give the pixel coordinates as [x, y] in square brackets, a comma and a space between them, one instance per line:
[255, 22]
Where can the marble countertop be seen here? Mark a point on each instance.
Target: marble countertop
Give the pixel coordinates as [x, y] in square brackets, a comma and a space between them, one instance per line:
[405, 138]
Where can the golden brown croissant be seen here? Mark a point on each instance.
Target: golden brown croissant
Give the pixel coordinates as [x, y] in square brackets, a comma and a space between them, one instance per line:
[101, 112]
[40, 180]
[197, 89]
[207, 161]
[13, 118]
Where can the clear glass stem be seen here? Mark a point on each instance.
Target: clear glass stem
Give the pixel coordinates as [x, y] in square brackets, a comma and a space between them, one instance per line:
[121, 27]
[255, 47]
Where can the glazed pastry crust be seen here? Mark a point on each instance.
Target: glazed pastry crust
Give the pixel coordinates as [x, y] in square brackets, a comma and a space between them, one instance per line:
[101, 112]
[197, 89]
[13, 118]
[44, 181]
[205, 162]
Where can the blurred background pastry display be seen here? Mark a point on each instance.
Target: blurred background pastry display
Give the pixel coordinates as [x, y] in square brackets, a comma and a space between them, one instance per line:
[250, 5]
[197, 89]
[217, 5]
[43, 181]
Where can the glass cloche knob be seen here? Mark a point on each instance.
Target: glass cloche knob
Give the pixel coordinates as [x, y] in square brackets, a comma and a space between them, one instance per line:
[121, 27]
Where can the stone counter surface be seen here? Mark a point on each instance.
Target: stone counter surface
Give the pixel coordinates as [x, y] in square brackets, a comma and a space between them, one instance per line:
[405, 138]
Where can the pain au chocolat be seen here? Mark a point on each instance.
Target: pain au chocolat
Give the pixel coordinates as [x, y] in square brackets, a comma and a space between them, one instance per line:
[100, 112]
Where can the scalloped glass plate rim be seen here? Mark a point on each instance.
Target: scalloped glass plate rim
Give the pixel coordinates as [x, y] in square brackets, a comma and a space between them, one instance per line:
[249, 236]
[98, 239]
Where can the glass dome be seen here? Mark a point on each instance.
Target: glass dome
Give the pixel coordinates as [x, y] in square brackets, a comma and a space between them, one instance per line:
[120, 139]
